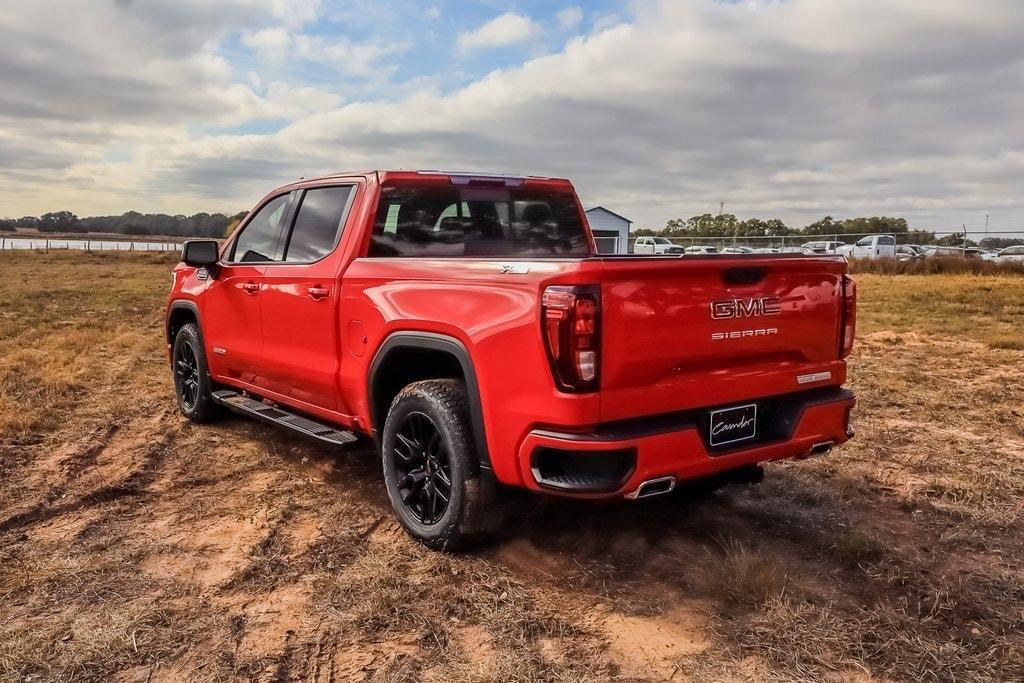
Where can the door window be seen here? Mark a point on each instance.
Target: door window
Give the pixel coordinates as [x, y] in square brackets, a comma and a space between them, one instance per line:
[317, 223]
[260, 240]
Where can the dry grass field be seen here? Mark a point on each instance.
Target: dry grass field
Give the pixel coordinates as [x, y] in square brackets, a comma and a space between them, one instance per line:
[135, 546]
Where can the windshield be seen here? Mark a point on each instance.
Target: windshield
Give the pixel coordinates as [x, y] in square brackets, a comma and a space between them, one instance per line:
[431, 221]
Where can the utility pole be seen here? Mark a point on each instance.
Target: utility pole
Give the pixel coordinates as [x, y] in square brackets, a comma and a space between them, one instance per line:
[986, 228]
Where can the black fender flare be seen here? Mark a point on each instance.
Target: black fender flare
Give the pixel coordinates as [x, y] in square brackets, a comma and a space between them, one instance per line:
[177, 305]
[434, 342]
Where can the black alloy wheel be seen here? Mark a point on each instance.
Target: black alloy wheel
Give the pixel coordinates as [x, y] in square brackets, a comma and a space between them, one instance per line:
[186, 372]
[423, 468]
[191, 376]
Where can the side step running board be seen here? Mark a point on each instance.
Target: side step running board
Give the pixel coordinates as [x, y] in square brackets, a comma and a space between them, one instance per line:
[281, 416]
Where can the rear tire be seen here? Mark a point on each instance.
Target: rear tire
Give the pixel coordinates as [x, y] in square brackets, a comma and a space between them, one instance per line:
[192, 384]
[433, 477]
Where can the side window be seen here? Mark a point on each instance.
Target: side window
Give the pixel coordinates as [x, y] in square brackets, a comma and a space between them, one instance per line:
[260, 240]
[317, 223]
[886, 240]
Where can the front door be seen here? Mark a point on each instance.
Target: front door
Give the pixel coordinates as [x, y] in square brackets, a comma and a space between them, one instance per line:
[300, 312]
[231, 322]
[232, 315]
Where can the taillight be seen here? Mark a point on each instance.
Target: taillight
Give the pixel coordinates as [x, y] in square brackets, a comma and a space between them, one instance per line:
[571, 317]
[849, 316]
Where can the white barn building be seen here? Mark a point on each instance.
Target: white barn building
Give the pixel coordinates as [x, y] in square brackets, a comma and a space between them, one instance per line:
[611, 231]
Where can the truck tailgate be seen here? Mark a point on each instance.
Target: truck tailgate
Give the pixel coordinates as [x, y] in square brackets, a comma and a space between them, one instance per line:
[684, 333]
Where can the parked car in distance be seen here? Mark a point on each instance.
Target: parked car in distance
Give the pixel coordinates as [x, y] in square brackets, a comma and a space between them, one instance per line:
[870, 247]
[821, 247]
[904, 252]
[1011, 254]
[701, 249]
[737, 250]
[943, 251]
[767, 250]
[938, 250]
[656, 245]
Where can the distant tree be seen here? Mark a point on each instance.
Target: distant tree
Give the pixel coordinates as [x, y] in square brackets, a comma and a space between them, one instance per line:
[644, 232]
[917, 237]
[956, 239]
[57, 221]
[826, 226]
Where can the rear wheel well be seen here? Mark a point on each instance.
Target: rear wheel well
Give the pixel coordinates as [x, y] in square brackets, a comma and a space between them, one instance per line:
[404, 365]
[178, 318]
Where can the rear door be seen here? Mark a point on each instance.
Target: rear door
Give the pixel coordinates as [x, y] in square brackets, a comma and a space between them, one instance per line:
[232, 322]
[301, 340]
[699, 332]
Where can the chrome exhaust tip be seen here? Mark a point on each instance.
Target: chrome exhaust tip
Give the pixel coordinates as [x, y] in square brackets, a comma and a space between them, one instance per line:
[820, 448]
[653, 487]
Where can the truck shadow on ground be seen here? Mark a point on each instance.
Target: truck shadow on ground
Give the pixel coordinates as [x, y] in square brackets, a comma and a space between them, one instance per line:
[821, 532]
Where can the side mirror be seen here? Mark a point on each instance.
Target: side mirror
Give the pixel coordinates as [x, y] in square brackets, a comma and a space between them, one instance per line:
[200, 253]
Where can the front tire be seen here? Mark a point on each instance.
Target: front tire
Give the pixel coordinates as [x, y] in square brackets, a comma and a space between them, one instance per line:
[431, 471]
[192, 384]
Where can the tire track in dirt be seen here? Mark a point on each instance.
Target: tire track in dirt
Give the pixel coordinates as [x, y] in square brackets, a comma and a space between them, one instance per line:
[131, 457]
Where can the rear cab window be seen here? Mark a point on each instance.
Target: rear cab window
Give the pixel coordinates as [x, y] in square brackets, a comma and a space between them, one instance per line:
[434, 220]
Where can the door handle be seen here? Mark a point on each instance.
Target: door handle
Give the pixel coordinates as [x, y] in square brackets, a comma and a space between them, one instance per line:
[318, 293]
[251, 288]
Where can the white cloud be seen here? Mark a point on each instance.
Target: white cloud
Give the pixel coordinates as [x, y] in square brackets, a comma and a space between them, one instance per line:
[294, 101]
[271, 42]
[507, 29]
[276, 45]
[570, 17]
[795, 109]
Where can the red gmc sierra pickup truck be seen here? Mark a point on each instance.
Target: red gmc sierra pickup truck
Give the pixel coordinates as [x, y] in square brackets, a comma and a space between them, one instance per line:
[468, 325]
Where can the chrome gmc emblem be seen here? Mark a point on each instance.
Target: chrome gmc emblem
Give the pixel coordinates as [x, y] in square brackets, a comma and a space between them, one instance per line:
[745, 308]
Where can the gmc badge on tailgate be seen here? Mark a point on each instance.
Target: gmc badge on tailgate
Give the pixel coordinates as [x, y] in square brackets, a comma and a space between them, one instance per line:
[745, 308]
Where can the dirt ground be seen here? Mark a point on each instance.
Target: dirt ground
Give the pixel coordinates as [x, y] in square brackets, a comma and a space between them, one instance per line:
[135, 546]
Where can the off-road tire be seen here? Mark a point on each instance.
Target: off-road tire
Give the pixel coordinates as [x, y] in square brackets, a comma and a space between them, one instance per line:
[200, 407]
[473, 511]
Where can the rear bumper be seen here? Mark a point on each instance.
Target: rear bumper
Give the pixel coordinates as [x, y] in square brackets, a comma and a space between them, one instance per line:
[628, 454]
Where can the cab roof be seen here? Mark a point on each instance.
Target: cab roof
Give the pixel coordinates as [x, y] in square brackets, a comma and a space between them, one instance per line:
[461, 177]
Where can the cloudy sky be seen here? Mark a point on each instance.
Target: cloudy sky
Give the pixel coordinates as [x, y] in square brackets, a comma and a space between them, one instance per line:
[656, 109]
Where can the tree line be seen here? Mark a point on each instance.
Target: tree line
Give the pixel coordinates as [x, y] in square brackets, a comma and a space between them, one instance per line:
[129, 223]
[728, 225]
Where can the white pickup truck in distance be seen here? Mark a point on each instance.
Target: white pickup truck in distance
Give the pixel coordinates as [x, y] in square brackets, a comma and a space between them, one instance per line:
[870, 247]
[656, 245]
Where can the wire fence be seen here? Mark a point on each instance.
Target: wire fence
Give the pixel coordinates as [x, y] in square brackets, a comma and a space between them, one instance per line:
[53, 244]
